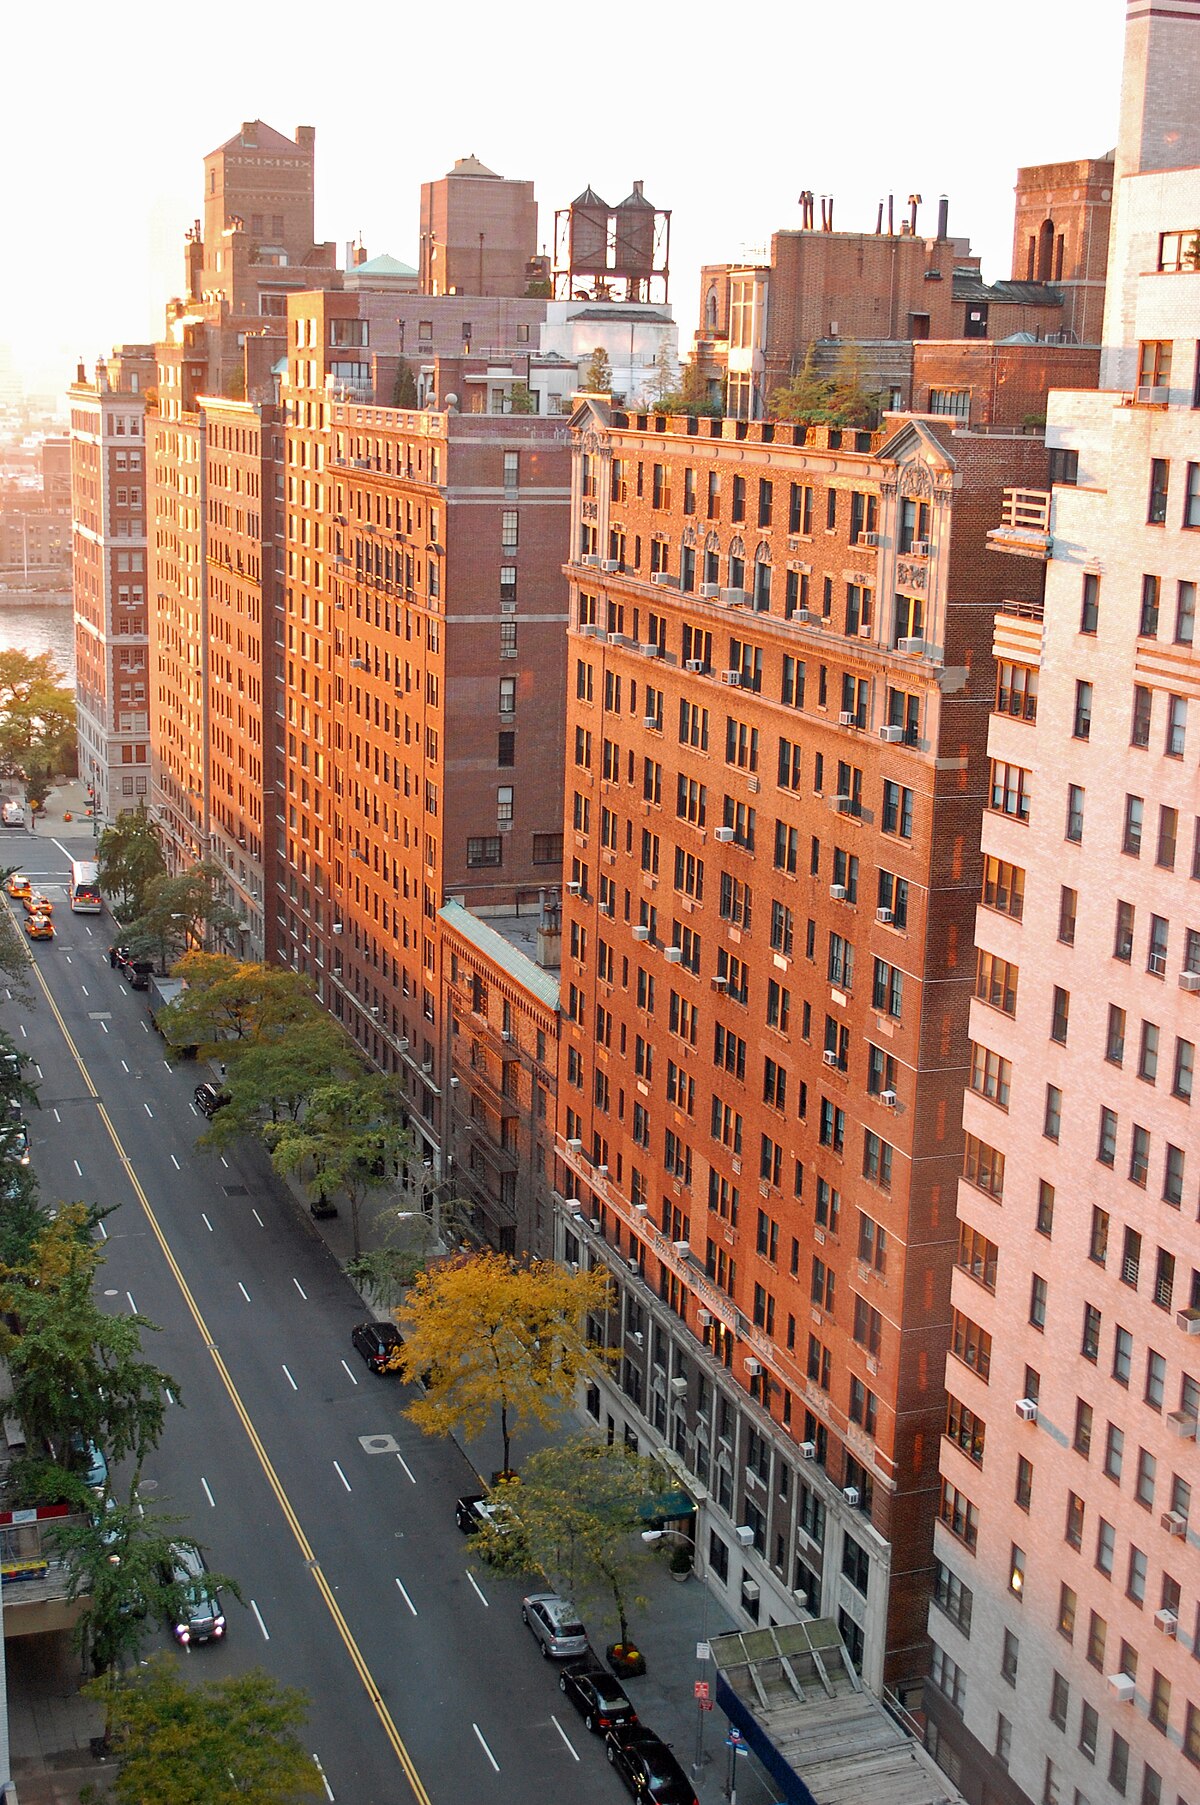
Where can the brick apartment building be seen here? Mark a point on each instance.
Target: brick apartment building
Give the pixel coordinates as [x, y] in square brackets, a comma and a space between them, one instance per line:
[35, 523]
[778, 688]
[109, 481]
[478, 233]
[1066, 1623]
[422, 672]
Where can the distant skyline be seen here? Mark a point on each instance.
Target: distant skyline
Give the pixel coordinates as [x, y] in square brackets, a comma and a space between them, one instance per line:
[106, 116]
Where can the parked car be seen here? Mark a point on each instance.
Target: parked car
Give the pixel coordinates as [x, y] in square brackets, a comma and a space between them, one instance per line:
[380, 1344]
[39, 927]
[12, 814]
[14, 1143]
[209, 1098]
[475, 1511]
[18, 885]
[556, 1625]
[596, 1695]
[647, 1766]
[86, 1457]
[201, 1619]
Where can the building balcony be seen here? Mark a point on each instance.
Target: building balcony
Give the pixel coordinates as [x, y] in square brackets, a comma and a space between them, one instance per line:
[1017, 632]
[1024, 529]
[503, 1159]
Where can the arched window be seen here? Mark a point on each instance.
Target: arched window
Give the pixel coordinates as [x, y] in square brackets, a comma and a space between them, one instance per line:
[710, 310]
[1045, 258]
[762, 576]
[737, 564]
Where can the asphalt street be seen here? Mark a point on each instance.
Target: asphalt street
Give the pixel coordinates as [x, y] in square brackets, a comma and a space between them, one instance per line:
[289, 1462]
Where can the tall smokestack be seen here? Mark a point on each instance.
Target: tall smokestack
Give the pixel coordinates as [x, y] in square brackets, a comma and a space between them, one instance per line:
[914, 201]
[879, 221]
[891, 216]
[944, 217]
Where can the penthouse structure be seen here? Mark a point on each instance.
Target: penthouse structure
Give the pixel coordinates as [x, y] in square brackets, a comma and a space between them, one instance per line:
[1066, 1624]
[779, 681]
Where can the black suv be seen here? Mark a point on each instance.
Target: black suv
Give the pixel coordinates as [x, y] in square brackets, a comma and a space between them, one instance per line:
[647, 1766]
[209, 1098]
[380, 1344]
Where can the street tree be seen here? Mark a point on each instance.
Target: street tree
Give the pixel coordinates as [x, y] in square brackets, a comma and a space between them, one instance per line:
[120, 1568]
[597, 378]
[268, 1082]
[179, 1743]
[178, 912]
[37, 715]
[579, 1509]
[232, 1000]
[488, 1334]
[130, 858]
[350, 1138]
[77, 1371]
[416, 1225]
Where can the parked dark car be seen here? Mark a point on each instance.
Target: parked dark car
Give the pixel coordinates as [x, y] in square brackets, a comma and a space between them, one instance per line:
[209, 1098]
[474, 1511]
[380, 1344]
[648, 1767]
[596, 1696]
[14, 1143]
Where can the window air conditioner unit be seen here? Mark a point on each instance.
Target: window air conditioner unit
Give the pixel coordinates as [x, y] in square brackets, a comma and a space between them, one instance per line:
[405, 1044]
[733, 678]
[704, 1318]
[919, 548]
[1188, 1321]
[694, 664]
[682, 1248]
[592, 558]
[664, 579]
[1189, 980]
[1182, 1423]
[806, 617]
[641, 933]
[750, 1591]
[1027, 1410]
[1124, 1687]
[754, 1368]
[869, 539]
[808, 1450]
[838, 892]
[745, 1535]
[679, 1386]
[721, 984]
[594, 1224]
[910, 645]
[673, 955]
[1166, 1621]
[846, 718]
[337, 927]
[356, 664]
[724, 835]
[1173, 1523]
[709, 591]
[1149, 395]
[852, 1495]
[829, 1058]
[649, 720]
[426, 1064]
[575, 888]
[735, 598]
[573, 1207]
[574, 1145]
[600, 1171]
[643, 1209]
[610, 564]
[891, 736]
[572, 1265]
[637, 1337]
[885, 916]
[843, 804]
[866, 631]
[888, 1099]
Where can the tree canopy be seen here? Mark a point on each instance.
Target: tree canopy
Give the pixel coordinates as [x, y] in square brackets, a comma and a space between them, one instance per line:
[37, 715]
[488, 1334]
[841, 398]
[179, 911]
[130, 858]
[351, 1137]
[181, 1743]
[690, 395]
[597, 378]
[229, 1000]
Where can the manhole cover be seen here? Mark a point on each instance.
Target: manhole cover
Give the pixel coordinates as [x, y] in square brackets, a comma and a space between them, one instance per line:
[379, 1444]
[235, 1190]
[147, 1486]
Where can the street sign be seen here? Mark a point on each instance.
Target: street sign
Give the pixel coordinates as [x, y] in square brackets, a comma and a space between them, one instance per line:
[706, 1704]
[702, 1651]
[700, 1689]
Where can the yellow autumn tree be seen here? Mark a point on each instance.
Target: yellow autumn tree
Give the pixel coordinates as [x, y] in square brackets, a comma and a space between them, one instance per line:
[487, 1335]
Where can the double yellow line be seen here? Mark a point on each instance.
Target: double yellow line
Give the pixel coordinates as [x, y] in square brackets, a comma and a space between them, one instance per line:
[285, 1504]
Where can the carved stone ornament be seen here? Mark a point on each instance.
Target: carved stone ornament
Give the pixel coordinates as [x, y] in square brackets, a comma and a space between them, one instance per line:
[916, 480]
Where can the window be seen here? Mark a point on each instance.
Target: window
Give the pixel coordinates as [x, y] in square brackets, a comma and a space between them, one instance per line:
[897, 810]
[1082, 726]
[1052, 1118]
[1168, 838]
[1038, 1290]
[1016, 1571]
[1060, 1015]
[995, 983]
[1131, 837]
[1114, 1453]
[1075, 799]
[1023, 1495]
[1156, 951]
[1003, 887]
[1191, 497]
[1185, 614]
[1160, 480]
[1009, 1657]
[485, 850]
[1089, 1345]
[991, 1075]
[1082, 1438]
[1089, 612]
[1060, 1698]
[1068, 903]
[959, 1515]
[1009, 792]
[953, 1597]
[1123, 937]
[1176, 726]
[1143, 709]
[508, 529]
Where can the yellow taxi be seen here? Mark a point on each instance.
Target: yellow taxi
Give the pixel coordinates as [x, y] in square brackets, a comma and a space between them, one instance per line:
[18, 885]
[37, 904]
[39, 927]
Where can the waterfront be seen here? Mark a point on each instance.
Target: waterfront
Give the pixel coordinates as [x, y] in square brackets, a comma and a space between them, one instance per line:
[33, 626]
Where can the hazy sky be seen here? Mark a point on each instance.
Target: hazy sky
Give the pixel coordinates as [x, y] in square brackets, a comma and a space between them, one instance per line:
[726, 113]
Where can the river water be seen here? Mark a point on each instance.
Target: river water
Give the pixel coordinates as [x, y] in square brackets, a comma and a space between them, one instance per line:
[33, 626]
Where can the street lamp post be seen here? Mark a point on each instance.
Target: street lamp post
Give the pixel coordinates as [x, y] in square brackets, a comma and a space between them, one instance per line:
[653, 1537]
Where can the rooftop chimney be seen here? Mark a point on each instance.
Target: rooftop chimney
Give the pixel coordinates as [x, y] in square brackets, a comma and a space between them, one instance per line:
[943, 217]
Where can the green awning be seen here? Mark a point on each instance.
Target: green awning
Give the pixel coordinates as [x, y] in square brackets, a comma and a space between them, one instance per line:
[664, 1507]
